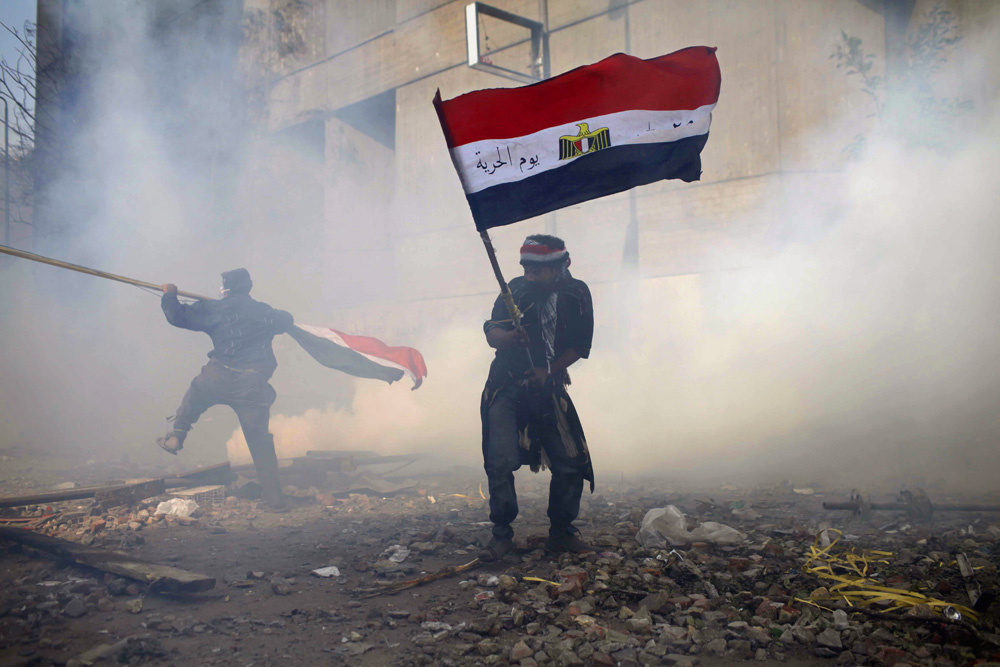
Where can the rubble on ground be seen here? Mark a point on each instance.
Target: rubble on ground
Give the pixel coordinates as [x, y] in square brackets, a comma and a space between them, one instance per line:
[623, 604]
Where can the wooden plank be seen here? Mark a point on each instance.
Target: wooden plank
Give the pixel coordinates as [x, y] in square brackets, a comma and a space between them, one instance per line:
[130, 494]
[54, 496]
[219, 473]
[250, 468]
[162, 578]
[195, 490]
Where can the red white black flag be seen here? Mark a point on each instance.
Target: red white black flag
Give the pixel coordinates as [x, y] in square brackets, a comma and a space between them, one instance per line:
[360, 356]
[588, 133]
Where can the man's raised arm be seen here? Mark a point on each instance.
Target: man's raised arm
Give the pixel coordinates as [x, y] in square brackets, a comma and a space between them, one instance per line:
[178, 314]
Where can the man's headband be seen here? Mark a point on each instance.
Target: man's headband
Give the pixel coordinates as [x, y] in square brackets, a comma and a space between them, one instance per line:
[533, 252]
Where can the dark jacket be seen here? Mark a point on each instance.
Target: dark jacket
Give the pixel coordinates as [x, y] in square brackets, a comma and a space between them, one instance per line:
[547, 412]
[241, 329]
[574, 326]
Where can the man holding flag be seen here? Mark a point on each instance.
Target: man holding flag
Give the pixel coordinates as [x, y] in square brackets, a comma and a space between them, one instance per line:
[242, 362]
[593, 131]
[528, 417]
[237, 372]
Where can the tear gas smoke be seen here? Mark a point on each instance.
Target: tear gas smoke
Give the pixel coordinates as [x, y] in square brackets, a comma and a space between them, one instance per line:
[862, 351]
[865, 354]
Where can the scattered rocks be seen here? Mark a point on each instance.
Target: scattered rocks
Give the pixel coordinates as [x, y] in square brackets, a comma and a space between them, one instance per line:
[507, 583]
[117, 586]
[829, 638]
[520, 652]
[75, 608]
[280, 586]
[716, 647]
[804, 636]
[622, 604]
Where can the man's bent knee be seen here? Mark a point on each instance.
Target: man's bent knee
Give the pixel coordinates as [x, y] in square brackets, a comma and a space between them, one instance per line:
[501, 466]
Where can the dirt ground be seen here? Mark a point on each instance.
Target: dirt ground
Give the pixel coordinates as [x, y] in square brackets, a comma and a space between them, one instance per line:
[623, 604]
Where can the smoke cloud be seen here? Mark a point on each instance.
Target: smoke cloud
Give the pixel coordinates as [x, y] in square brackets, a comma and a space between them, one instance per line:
[858, 349]
[863, 354]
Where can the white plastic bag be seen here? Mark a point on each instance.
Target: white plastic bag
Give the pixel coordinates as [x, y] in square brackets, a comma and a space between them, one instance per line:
[663, 527]
[666, 527]
[397, 553]
[177, 507]
[717, 533]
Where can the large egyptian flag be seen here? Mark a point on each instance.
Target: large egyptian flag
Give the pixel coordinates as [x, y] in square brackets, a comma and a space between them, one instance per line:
[591, 132]
[360, 356]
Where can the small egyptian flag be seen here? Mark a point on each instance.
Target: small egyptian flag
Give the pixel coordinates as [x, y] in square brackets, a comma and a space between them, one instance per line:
[588, 133]
[360, 356]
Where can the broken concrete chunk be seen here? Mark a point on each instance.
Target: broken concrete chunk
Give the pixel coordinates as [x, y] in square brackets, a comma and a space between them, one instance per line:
[830, 638]
[520, 652]
[329, 571]
[75, 608]
[280, 586]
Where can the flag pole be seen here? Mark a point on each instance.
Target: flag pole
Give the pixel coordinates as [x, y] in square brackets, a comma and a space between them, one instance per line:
[24, 254]
[508, 298]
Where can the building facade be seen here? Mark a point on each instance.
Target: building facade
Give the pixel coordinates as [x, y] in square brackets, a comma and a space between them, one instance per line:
[354, 81]
[357, 170]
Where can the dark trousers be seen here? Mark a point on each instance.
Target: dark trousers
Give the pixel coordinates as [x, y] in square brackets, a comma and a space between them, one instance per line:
[502, 454]
[250, 396]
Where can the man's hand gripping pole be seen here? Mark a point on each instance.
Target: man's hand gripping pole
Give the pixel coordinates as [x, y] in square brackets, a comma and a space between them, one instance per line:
[508, 298]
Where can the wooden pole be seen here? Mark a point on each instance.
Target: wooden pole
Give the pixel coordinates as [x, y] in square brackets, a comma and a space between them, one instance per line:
[23, 254]
[508, 298]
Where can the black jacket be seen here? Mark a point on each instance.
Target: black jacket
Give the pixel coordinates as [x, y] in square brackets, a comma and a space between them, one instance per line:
[574, 326]
[241, 328]
[549, 411]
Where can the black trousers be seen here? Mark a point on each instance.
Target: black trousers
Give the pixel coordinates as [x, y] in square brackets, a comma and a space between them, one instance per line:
[502, 454]
[250, 396]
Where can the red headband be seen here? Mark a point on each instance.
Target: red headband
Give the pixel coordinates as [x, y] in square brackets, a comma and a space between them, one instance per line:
[536, 253]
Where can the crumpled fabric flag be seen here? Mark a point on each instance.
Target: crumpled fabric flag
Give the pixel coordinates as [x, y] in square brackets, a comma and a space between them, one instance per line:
[360, 356]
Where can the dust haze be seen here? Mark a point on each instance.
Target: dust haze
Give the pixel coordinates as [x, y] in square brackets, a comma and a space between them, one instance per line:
[861, 350]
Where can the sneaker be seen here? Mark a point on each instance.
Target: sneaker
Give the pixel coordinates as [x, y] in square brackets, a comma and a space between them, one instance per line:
[567, 544]
[496, 550]
[171, 443]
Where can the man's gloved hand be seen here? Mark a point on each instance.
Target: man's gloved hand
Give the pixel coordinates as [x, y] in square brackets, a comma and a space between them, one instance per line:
[537, 377]
[169, 288]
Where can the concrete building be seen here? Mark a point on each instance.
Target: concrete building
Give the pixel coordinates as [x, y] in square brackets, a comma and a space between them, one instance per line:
[354, 81]
[363, 179]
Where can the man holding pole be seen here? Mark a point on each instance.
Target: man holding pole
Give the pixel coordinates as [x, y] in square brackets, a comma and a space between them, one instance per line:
[242, 360]
[591, 132]
[238, 370]
[528, 417]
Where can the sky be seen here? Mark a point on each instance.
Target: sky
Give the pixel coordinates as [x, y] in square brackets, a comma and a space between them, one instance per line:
[14, 13]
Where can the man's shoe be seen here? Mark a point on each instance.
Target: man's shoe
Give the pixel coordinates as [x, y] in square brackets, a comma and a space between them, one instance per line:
[563, 544]
[276, 506]
[171, 443]
[496, 550]
[267, 477]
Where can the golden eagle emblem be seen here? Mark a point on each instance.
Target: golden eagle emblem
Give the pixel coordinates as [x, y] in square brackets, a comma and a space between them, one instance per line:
[585, 142]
